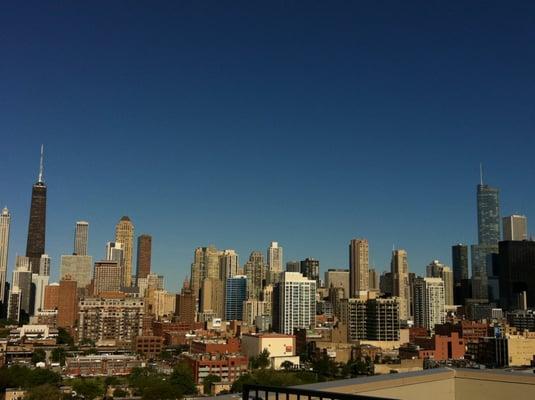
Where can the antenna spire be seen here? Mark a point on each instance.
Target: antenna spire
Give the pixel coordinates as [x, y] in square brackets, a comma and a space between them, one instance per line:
[481, 174]
[41, 166]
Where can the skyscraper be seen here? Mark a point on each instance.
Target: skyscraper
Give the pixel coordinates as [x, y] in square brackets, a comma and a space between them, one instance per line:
[205, 265]
[517, 272]
[338, 278]
[358, 267]
[22, 280]
[488, 232]
[229, 265]
[236, 294]
[293, 266]
[438, 270]
[124, 233]
[515, 227]
[429, 302]
[107, 277]
[5, 221]
[274, 257]
[81, 233]
[296, 302]
[35, 245]
[115, 252]
[400, 282]
[78, 268]
[144, 251]
[462, 284]
[256, 271]
[310, 268]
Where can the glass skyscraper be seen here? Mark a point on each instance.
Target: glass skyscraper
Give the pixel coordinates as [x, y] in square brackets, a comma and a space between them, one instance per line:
[235, 295]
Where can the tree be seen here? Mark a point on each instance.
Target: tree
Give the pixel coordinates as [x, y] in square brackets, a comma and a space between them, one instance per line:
[207, 382]
[183, 378]
[65, 338]
[38, 355]
[58, 355]
[261, 361]
[120, 393]
[287, 365]
[44, 392]
[161, 390]
[88, 388]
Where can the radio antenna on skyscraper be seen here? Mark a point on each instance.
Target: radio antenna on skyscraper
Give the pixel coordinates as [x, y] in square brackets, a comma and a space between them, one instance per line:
[41, 166]
[481, 174]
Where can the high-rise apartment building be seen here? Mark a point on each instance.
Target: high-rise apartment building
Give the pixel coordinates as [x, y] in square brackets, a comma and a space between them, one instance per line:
[185, 304]
[67, 304]
[151, 281]
[515, 227]
[235, 295]
[429, 302]
[143, 260]
[229, 265]
[358, 267]
[373, 279]
[114, 252]
[212, 302]
[274, 257]
[399, 267]
[124, 234]
[205, 265]
[51, 299]
[256, 271]
[35, 245]
[22, 279]
[310, 268]
[438, 270]
[371, 319]
[5, 222]
[39, 282]
[110, 319]
[81, 236]
[338, 278]
[296, 302]
[108, 277]
[14, 304]
[78, 268]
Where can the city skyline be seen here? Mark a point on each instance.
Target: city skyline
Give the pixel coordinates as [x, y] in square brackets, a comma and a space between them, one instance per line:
[198, 134]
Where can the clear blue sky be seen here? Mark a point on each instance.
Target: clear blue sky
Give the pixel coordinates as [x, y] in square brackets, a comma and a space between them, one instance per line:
[237, 123]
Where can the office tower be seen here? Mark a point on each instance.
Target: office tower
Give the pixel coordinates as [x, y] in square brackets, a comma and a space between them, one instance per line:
[358, 267]
[253, 309]
[400, 282]
[267, 298]
[35, 245]
[151, 281]
[110, 319]
[296, 302]
[67, 304]
[44, 265]
[108, 277]
[382, 319]
[429, 302]
[386, 283]
[236, 294]
[205, 265]
[51, 299]
[22, 279]
[462, 284]
[115, 252]
[5, 221]
[124, 234]
[338, 278]
[143, 260]
[14, 304]
[185, 304]
[39, 282]
[310, 268]
[515, 227]
[488, 232]
[438, 270]
[256, 271]
[274, 257]
[293, 266]
[229, 265]
[373, 279]
[160, 303]
[81, 234]
[78, 268]
[517, 272]
[212, 302]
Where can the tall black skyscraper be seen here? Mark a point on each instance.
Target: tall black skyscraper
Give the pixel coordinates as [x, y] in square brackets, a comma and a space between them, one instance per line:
[462, 285]
[517, 272]
[488, 233]
[35, 246]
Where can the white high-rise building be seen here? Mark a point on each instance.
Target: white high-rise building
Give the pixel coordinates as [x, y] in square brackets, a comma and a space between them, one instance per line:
[229, 265]
[39, 281]
[5, 221]
[81, 234]
[44, 265]
[429, 302]
[274, 257]
[296, 302]
[115, 252]
[515, 227]
[399, 268]
[438, 270]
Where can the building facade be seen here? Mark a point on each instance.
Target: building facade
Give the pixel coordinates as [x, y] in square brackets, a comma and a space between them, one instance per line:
[124, 234]
[358, 267]
[296, 302]
[399, 268]
[81, 237]
[235, 295]
[144, 254]
[429, 302]
[515, 227]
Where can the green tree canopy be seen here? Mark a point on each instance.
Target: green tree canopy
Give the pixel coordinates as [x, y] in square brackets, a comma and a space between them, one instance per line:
[38, 355]
[88, 388]
[58, 355]
[207, 382]
[44, 392]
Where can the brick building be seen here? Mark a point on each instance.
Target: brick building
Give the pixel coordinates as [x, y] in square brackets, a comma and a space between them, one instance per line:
[228, 367]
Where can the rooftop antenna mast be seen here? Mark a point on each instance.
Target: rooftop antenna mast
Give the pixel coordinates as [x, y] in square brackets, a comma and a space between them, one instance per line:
[41, 166]
[481, 174]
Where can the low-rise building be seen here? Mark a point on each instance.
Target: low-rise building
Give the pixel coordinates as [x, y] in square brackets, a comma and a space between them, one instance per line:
[228, 367]
[149, 346]
[101, 365]
[281, 347]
